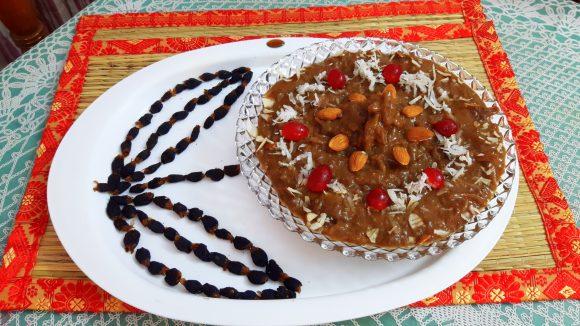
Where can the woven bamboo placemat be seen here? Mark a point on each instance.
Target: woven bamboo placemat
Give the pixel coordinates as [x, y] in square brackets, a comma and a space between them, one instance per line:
[109, 48]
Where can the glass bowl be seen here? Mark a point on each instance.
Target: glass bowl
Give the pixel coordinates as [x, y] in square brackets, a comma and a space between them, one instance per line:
[260, 184]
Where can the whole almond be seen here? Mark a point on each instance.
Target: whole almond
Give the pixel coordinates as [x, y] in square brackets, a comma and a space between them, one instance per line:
[329, 114]
[339, 143]
[390, 92]
[357, 160]
[411, 111]
[417, 134]
[357, 98]
[401, 155]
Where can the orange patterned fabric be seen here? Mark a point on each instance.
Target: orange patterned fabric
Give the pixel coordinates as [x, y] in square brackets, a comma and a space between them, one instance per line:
[20, 291]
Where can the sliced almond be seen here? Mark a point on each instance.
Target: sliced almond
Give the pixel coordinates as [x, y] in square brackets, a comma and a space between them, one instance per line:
[390, 92]
[417, 134]
[411, 111]
[372, 235]
[339, 143]
[357, 161]
[415, 221]
[267, 102]
[401, 155]
[357, 98]
[329, 114]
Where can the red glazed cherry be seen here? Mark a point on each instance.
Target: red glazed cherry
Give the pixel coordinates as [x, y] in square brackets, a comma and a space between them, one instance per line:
[435, 178]
[446, 127]
[319, 178]
[392, 73]
[336, 78]
[294, 131]
[378, 199]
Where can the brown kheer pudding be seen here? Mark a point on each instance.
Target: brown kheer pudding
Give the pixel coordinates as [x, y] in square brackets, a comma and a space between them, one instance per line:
[381, 150]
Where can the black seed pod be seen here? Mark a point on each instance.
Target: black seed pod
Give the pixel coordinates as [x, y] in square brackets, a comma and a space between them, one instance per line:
[166, 96]
[180, 209]
[173, 178]
[179, 88]
[239, 90]
[138, 188]
[210, 223]
[145, 119]
[194, 176]
[179, 115]
[194, 214]
[221, 112]
[242, 243]
[207, 76]
[202, 99]
[182, 244]
[155, 267]
[133, 132]
[215, 90]
[102, 187]
[232, 170]
[113, 180]
[191, 83]
[268, 294]
[170, 234]
[224, 74]
[293, 284]
[238, 268]
[168, 155]
[257, 277]
[156, 107]
[143, 256]
[194, 133]
[163, 202]
[210, 290]
[248, 295]
[131, 240]
[208, 122]
[193, 286]
[284, 293]
[127, 170]
[143, 199]
[231, 98]
[247, 77]
[190, 105]
[156, 226]
[143, 155]
[259, 257]
[273, 270]
[121, 225]
[164, 128]
[137, 176]
[113, 209]
[182, 145]
[229, 292]
[152, 141]
[141, 216]
[240, 70]
[215, 174]
[117, 164]
[219, 259]
[223, 234]
[235, 78]
[155, 183]
[129, 211]
[172, 276]
[126, 147]
[152, 168]
[122, 187]
[201, 252]
[121, 200]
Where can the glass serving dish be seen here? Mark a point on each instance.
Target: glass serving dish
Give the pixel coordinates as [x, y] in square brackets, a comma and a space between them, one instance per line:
[260, 184]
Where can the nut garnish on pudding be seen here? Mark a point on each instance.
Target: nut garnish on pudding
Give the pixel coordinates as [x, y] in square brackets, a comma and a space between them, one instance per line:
[381, 150]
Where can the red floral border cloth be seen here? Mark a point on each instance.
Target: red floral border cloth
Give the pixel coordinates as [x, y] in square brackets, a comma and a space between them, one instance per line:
[18, 290]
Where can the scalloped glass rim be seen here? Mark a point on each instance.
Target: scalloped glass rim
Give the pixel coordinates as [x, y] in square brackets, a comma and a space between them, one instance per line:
[261, 185]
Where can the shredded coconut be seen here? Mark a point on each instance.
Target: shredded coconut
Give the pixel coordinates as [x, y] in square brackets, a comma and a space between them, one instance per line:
[362, 69]
[307, 87]
[285, 114]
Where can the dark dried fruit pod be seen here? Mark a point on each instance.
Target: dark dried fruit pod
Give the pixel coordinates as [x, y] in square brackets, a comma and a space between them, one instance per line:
[143, 256]
[156, 226]
[141, 215]
[182, 244]
[156, 267]
[194, 176]
[203, 99]
[179, 115]
[155, 183]
[231, 98]
[122, 187]
[293, 284]
[219, 259]
[179, 88]
[247, 77]
[156, 107]
[180, 209]
[129, 211]
[236, 77]
[268, 294]
[117, 164]
[193, 286]
[223, 234]
[172, 276]
[194, 214]
[210, 223]
[174, 178]
[238, 268]
[241, 70]
[208, 122]
[215, 174]
[206, 76]
[143, 155]
[136, 176]
[190, 105]
[229, 292]
[113, 209]
[114, 180]
[210, 290]
[121, 200]
[128, 169]
[145, 120]
[191, 83]
[143, 199]
[215, 90]
[121, 225]
[126, 147]
[131, 240]
[168, 155]
[259, 256]
[239, 90]
[152, 141]
[284, 293]
[224, 74]
[195, 133]
[232, 170]
[102, 187]
[133, 132]
[274, 271]
[242, 243]
[170, 233]
[257, 277]
[163, 202]
[201, 252]
[166, 96]
[248, 295]
[152, 168]
[164, 128]
[182, 145]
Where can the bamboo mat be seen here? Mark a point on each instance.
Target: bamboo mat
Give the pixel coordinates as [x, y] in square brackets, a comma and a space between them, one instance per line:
[523, 245]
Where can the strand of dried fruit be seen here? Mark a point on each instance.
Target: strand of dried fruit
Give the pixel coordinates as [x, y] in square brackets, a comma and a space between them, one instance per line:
[173, 277]
[215, 174]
